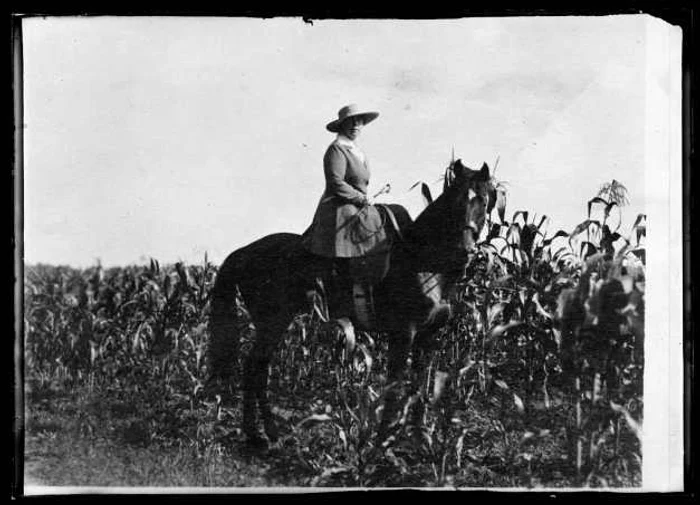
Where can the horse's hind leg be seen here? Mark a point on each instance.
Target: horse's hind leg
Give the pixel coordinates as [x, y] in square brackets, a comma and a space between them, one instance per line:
[400, 347]
[224, 343]
[255, 383]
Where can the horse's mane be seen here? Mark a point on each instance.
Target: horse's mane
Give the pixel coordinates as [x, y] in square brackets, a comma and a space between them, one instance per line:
[436, 223]
[431, 219]
[435, 216]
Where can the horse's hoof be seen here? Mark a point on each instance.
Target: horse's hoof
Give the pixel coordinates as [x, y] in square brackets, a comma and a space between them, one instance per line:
[419, 437]
[256, 443]
[272, 431]
[384, 436]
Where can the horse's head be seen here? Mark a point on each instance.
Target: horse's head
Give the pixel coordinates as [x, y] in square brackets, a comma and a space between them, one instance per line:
[473, 198]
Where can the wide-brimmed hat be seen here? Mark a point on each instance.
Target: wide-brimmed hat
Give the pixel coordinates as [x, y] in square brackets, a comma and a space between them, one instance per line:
[351, 110]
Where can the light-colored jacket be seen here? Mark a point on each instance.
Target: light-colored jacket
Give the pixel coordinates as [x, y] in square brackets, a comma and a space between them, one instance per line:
[344, 225]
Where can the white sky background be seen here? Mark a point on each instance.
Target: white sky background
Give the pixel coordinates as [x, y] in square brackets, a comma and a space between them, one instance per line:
[168, 137]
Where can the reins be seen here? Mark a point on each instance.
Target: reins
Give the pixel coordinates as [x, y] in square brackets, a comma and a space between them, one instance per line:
[385, 214]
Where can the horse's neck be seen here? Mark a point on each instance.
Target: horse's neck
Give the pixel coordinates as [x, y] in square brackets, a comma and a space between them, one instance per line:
[428, 254]
[427, 246]
[430, 222]
[414, 263]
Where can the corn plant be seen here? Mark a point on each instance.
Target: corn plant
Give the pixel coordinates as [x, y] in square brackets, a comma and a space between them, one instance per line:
[547, 335]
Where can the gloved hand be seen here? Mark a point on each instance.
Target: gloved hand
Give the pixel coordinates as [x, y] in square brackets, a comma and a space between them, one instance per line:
[366, 201]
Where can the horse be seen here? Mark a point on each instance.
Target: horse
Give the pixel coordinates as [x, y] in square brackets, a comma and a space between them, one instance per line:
[273, 276]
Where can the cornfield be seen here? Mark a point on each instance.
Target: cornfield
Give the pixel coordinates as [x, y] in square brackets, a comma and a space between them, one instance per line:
[536, 379]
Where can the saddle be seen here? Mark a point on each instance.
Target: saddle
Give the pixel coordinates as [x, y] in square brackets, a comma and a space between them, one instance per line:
[352, 280]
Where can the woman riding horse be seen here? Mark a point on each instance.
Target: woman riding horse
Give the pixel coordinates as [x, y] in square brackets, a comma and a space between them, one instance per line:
[272, 275]
[345, 224]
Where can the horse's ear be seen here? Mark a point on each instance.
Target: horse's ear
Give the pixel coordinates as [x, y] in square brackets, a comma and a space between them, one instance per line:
[449, 176]
[485, 171]
[460, 171]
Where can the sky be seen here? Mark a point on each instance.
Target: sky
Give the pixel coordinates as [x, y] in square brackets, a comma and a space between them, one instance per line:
[169, 137]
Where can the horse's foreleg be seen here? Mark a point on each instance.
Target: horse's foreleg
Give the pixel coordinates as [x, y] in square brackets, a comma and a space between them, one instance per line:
[423, 349]
[399, 350]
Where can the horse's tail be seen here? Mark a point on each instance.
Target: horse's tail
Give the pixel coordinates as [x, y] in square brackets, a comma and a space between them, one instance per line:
[225, 323]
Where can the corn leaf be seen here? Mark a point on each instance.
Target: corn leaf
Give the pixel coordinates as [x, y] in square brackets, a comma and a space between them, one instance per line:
[439, 385]
[313, 419]
[560, 233]
[518, 403]
[595, 200]
[425, 191]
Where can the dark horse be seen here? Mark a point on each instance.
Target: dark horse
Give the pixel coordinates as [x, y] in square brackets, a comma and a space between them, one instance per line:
[274, 276]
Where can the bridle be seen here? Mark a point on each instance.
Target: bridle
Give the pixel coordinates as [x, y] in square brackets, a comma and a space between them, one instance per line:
[466, 257]
[471, 224]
